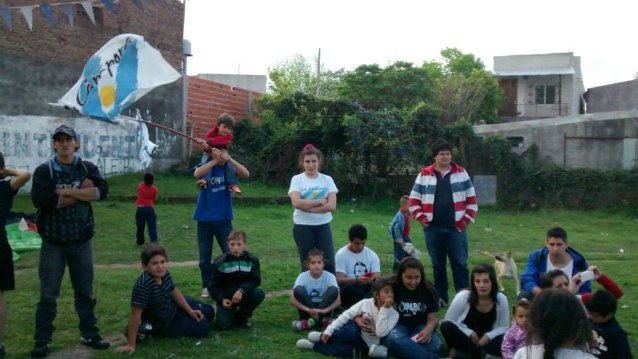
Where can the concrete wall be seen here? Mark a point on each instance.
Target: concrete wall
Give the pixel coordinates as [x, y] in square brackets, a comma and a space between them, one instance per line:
[26, 143]
[526, 96]
[516, 62]
[604, 140]
[615, 97]
[255, 83]
[40, 66]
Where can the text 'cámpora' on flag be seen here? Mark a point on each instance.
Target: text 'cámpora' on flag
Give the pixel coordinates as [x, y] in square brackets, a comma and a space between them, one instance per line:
[120, 73]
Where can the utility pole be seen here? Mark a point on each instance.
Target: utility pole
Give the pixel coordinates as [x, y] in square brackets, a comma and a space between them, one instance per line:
[318, 71]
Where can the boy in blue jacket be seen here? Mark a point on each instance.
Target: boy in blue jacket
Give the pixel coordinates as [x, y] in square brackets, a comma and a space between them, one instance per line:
[557, 254]
[400, 231]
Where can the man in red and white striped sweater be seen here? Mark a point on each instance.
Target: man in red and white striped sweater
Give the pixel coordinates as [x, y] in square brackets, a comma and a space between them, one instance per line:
[444, 202]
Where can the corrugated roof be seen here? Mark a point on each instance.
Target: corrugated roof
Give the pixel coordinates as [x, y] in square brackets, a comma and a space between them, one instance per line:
[536, 71]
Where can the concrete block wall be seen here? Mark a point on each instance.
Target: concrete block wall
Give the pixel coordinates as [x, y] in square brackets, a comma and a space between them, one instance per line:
[41, 65]
[208, 99]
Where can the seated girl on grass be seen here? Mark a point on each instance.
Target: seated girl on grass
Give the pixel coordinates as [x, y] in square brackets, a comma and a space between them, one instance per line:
[343, 336]
[315, 293]
[417, 302]
[156, 301]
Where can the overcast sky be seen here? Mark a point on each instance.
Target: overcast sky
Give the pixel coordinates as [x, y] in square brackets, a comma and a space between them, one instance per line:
[249, 36]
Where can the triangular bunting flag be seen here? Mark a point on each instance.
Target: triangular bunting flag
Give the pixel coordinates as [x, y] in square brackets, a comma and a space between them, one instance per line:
[27, 12]
[138, 3]
[46, 12]
[88, 8]
[5, 12]
[68, 9]
[109, 5]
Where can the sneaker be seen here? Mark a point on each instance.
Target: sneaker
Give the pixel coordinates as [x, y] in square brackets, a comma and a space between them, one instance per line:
[205, 293]
[202, 184]
[245, 325]
[235, 189]
[41, 350]
[303, 324]
[326, 321]
[305, 344]
[314, 337]
[95, 342]
[378, 351]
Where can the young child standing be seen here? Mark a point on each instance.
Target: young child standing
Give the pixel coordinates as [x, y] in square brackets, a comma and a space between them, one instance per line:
[315, 293]
[145, 214]
[400, 231]
[157, 301]
[8, 190]
[220, 137]
[515, 336]
[234, 283]
[343, 336]
[610, 339]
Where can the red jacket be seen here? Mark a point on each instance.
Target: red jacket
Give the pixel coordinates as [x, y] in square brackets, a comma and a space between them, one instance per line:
[214, 139]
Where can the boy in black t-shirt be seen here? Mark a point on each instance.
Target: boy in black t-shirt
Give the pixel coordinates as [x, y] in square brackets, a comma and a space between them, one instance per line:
[157, 301]
[8, 189]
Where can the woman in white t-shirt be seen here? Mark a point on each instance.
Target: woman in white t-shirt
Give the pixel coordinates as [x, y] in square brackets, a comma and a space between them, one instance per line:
[314, 197]
[558, 321]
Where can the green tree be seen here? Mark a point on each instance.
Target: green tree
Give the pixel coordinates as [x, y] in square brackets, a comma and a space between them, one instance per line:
[465, 89]
[399, 86]
[290, 76]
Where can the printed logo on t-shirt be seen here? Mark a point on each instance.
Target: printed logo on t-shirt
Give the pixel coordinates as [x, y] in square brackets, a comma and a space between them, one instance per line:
[314, 192]
[315, 296]
[360, 269]
[217, 184]
[410, 308]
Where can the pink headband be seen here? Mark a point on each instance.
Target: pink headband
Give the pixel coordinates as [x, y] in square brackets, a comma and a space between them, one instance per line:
[307, 147]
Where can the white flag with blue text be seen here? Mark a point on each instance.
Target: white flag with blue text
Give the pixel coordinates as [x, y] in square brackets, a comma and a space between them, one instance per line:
[120, 73]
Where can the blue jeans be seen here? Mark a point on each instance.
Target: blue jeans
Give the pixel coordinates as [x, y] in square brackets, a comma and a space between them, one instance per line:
[310, 237]
[239, 313]
[205, 233]
[345, 342]
[53, 260]
[183, 325]
[329, 297]
[145, 216]
[442, 242]
[400, 344]
[399, 254]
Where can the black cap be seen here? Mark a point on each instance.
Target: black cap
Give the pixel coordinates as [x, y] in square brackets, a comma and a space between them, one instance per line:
[65, 130]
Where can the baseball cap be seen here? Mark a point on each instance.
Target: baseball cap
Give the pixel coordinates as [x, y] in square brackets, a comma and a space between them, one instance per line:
[65, 130]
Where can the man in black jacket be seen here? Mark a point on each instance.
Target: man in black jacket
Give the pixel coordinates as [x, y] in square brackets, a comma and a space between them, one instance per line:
[62, 190]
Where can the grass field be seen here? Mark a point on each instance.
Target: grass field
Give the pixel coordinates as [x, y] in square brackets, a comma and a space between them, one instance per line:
[599, 235]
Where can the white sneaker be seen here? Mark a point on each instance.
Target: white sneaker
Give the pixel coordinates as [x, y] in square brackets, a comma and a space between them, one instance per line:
[378, 351]
[305, 344]
[205, 293]
[314, 337]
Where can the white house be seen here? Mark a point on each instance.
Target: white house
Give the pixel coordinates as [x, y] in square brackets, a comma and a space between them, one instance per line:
[540, 86]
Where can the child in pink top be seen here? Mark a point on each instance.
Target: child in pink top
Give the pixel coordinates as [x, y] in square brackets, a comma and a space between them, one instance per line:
[515, 336]
[145, 214]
